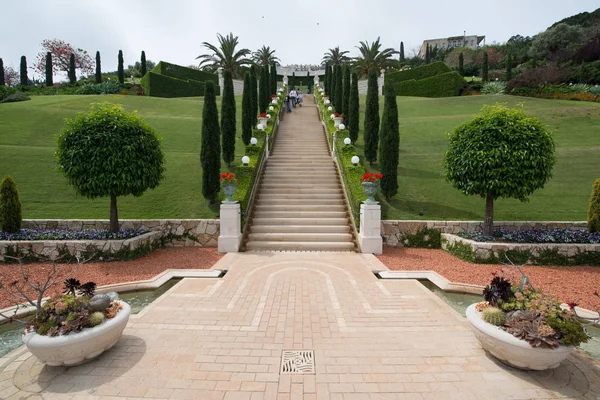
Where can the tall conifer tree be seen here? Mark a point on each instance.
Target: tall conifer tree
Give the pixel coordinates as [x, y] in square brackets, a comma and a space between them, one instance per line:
[72, 71]
[98, 68]
[248, 116]
[143, 64]
[228, 121]
[508, 68]
[2, 80]
[254, 89]
[49, 77]
[339, 89]
[461, 64]
[263, 88]
[402, 59]
[390, 144]
[210, 153]
[346, 95]
[371, 127]
[273, 78]
[484, 68]
[24, 78]
[120, 71]
[353, 109]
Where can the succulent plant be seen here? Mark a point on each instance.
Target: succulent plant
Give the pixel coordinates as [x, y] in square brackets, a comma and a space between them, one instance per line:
[530, 326]
[498, 291]
[96, 318]
[494, 316]
[71, 285]
[88, 289]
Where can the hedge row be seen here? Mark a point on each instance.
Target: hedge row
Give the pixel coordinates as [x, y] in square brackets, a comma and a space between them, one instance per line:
[443, 85]
[184, 73]
[422, 72]
[164, 86]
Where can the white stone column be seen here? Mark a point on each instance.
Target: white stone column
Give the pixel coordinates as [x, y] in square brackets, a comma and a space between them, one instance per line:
[369, 237]
[230, 235]
[380, 82]
[220, 78]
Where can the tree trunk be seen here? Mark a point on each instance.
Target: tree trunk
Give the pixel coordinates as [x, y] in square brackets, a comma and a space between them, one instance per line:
[114, 215]
[488, 220]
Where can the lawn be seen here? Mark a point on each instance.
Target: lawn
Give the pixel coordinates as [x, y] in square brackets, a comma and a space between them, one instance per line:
[423, 194]
[27, 146]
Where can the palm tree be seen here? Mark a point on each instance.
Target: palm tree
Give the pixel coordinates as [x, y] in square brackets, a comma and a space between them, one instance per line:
[265, 56]
[335, 56]
[225, 56]
[372, 57]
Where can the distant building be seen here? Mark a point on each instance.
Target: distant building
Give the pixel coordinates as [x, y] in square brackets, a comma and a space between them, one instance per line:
[471, 42]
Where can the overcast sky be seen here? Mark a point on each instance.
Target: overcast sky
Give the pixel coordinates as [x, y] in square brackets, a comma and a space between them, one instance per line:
[299, 30]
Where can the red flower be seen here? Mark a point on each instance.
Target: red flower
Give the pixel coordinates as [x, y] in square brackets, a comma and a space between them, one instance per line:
[228, 178]
[263, 115]
[371, 177]
[572, 305]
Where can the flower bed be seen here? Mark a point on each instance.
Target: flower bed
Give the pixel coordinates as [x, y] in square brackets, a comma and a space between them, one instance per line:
[555, 235]
[68, 234]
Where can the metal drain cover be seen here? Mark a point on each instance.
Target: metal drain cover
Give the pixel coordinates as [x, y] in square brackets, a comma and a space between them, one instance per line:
[298, 362]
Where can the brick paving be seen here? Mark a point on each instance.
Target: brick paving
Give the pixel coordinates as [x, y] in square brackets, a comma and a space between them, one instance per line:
[224, 338]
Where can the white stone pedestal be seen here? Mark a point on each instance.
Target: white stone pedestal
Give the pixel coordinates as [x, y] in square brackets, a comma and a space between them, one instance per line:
[230, 235]
[369, 237]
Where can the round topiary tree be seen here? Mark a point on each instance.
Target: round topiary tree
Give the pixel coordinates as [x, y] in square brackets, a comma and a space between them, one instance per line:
[594, 210]
[500, 153]
[10, 206]
[110, 152]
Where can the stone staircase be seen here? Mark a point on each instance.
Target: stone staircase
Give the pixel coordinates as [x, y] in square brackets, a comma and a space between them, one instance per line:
[300, 203]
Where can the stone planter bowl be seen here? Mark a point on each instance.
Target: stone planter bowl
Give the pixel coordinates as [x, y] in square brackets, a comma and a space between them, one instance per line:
[512, 351]
[78, 348]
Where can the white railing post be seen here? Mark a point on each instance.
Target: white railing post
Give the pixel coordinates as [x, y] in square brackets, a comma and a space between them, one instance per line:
[267, 144]
[230, 235]
[369, 237]
[333, 145]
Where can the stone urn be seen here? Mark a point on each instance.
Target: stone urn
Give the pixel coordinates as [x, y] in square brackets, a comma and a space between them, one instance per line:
[337, 121]
[78, 348]
[370, 189]
[511, 350]
[229, 191]
[263, 121]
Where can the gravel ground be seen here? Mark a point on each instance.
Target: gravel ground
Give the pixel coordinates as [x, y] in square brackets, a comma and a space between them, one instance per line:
[113, 272]
[565, 283]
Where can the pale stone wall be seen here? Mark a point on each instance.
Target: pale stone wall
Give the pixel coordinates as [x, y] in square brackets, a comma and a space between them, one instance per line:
[362, 86]
[394, 231]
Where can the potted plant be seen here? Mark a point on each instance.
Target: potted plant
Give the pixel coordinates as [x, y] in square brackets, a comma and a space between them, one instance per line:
[263, 118]
[337, 119]
[524, 327]
[69, 328]
[229, 184]
[370, 183]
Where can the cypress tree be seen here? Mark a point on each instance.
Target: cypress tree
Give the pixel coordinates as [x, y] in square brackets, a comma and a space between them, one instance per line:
[71, 73]
[427, 55]
[353, 109]
[390, 144]
[326, 83]
[24, 78]
[143, 64]
[273, 78]
[120, 71]
[333, 82]
[402, 52]
[508, 68]
[346, 95]
[98, 68]
[330, 92]
[594, 208]
[484, 68]
[228, 122]
[371, 127]
[263, 87]
[2, 80]
[49, 81]
[254, 90]
[210, 157]
[339, 89]
[247, 110]
[461, 64]
[10, 206]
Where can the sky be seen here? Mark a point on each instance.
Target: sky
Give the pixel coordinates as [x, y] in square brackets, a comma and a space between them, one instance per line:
[300, 31]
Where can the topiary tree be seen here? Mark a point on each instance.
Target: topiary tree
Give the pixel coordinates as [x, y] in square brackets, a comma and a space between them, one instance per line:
[120, 71]
[500, 153]
[263, 88]
[49, 80]
[248, 116]
[2, 80]
[402, 52]
[484, 68]
[254, 89]
[98, 68]
[353, 109]
[428, 54]
[24, 78]
[339, 89]
[346, 92]
[326, 83]
[143, 64]
[228, 121]
[71, 72]
[210, 153]
[461, 64]
[594, 210]
[273, 78]
[390, 144]
[371, 127]
[10, 206]
[110, 153]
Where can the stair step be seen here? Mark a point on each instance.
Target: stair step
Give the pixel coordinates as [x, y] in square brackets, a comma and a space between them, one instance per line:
[300, 237]
[300, 246]
[258, 221]
[301, 207]
[300, 196]
[266, 201]
[300, 214]
[300, 228]
[269, 191]
[297, 185]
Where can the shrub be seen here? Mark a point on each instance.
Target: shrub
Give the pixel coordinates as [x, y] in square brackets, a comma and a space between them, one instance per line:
[594, 209]
[164, 86]
[371, 128]
[10, 206]
[18, 96]
[6, 91]
[538, 77]
[390, 144]
[210, 152]
[184, 73]
[443, 85]
[108, 87]
[494, 87]
[422, 72]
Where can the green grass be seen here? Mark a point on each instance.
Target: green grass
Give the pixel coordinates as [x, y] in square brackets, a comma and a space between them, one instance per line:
[27, 146]
[423, 193]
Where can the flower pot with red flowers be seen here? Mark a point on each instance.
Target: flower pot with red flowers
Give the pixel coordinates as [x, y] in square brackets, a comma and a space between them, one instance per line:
[370, 183]
[263, 118]
[229, 185]
[337, 120]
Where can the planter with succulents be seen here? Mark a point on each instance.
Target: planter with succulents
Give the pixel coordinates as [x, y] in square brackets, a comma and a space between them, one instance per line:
[524, 327]
[75, 327]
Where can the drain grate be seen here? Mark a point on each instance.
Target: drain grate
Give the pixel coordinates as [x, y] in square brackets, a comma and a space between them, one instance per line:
[298, 362]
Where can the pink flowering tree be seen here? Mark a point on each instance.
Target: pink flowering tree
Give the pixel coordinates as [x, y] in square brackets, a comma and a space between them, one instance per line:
[61, 52]
[11, 77]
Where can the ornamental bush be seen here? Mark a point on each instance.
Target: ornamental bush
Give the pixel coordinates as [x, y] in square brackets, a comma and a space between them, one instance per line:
[109, 152]
[390, 144]
[594, 209]
[10, 207]
[210, 153]
[371, 128]
[500, 153]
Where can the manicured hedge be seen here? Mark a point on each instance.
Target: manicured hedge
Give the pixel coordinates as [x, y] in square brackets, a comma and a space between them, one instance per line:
[443, 85]
[184, 73]
[157, 85]
[422, 72]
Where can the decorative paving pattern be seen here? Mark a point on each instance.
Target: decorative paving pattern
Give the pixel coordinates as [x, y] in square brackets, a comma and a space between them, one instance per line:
[224, 338]
[298, 362]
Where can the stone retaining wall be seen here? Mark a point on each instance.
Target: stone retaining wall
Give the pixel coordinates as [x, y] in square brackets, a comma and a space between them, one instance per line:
[394, 231]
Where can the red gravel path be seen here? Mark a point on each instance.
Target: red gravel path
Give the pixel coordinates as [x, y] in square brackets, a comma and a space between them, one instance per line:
[115, 272]
[565, 283]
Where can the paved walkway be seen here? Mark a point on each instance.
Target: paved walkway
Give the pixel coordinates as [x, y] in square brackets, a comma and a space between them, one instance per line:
[224, 339]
